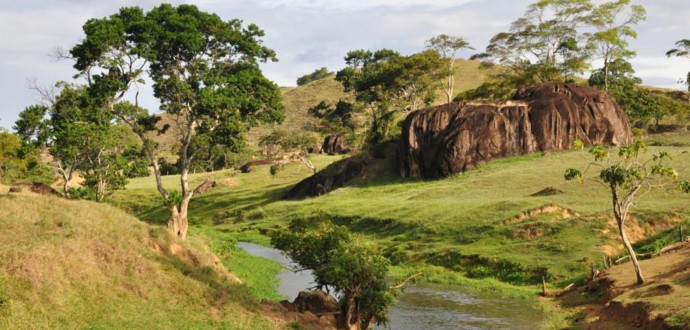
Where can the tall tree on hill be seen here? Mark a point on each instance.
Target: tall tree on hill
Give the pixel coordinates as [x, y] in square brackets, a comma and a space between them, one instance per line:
[613, 30]
[385, 84]
[638, 103]
[205, 73]
[682, 50]
[448, 47]
[545, 42]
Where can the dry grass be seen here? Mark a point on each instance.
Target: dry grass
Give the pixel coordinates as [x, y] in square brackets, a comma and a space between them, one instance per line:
[71, 264]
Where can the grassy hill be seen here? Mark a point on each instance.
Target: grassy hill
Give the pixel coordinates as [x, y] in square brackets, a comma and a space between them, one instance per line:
[483, 223]
[298, 100]
[73, 264]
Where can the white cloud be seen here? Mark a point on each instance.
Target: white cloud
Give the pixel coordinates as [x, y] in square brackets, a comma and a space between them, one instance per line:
[309, 34]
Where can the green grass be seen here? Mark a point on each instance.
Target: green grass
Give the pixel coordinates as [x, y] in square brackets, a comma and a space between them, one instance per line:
[463, 223]
[74, 264]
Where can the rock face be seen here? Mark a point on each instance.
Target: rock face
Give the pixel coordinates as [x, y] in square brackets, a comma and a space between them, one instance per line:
[43, 189]
[440, 141]
[334, 176]
[335, 145]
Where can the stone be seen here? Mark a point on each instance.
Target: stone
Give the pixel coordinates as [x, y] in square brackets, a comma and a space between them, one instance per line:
[43, 189]
[333, 177]
[248, 167]
[317, 302]
[204, 187]
[335, 145]
[447, 139]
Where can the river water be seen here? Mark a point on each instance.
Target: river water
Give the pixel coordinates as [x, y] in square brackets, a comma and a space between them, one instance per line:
[426, 306]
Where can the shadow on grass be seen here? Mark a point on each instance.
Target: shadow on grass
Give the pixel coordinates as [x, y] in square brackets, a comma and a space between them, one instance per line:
[205, 208]
[221, 290]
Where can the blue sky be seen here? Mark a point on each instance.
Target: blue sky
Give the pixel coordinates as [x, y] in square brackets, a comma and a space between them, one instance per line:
[308, 34]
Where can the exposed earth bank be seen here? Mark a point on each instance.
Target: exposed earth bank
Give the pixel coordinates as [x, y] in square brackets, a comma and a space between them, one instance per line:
[613, 301]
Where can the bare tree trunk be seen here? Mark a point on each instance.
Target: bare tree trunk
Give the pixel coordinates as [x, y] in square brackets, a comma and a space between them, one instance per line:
[450, 87]
[631, 252]
[606, 74]
[620, 215]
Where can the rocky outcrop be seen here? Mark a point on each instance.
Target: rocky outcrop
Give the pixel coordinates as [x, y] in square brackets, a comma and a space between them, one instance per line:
[43, 189]
[335, 145]
[332, 177]
[440, 141]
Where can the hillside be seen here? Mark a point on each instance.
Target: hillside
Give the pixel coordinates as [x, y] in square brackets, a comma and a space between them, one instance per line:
[483, 223]
[298, 100]
[72, 264]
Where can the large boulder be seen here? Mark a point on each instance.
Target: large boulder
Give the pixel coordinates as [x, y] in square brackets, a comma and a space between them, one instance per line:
[335, 145]
[443, 140]
[332, 177]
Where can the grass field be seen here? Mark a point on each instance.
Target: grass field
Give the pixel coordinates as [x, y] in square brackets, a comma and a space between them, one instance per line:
[75, 265]
[482, 223]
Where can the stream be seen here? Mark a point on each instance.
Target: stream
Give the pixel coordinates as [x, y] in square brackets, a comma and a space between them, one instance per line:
[425, 306]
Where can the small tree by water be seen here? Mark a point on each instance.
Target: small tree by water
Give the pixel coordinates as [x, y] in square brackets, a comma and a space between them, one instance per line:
[342, 263]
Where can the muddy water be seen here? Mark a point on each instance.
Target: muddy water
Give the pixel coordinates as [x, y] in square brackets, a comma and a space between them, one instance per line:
[427, 306]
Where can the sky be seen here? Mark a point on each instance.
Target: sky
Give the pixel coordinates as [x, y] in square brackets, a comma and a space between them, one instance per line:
[307, 35]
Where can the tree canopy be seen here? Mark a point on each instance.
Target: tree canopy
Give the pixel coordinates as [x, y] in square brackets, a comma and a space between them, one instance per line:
[205, 74]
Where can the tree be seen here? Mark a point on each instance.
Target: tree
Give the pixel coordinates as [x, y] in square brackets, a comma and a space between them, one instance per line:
[543, 45]
[638, 103]
[291, 145]
[447, 47]
[336, 119]
[205, 74]
[339, 261]
[10, 145]
[73, 128]
[612, 32]
[682, 50]
[625, 176]
[316, 75]
[384, 83]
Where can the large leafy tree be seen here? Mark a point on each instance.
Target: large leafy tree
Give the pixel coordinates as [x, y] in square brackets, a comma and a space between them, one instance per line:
[448, 47]
[385, 83]
[73, 127]
[205, 74]
[627, 177]
[612, 21]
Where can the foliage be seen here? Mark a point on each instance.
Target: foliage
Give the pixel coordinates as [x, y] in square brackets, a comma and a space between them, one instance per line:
[296, 145]
[544, 45]
[447, 47]
[625, 177]
[385, 84]
[638, 103]
[10, 146]
[610, 39]
[205, 73]
[682, 50]
[316, 75]
[80, 137]
[341, 262]
[336, 119]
